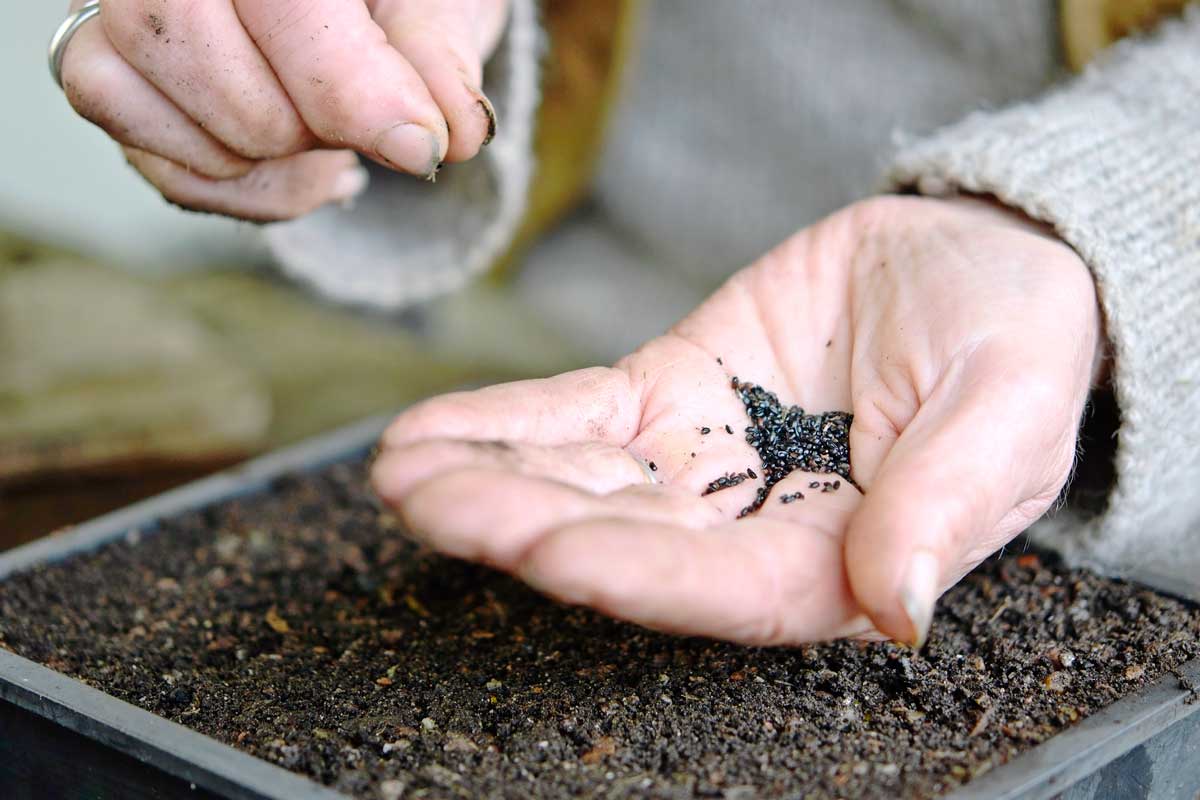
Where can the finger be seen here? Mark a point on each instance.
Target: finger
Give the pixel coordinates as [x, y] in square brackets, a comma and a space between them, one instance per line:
[274, 190]
[104, 89]
[757, 581]
[978, 464]
[591, 466]
[495, 516]
[201, 57]
[443, 44]
[352, 88]
[595, 404]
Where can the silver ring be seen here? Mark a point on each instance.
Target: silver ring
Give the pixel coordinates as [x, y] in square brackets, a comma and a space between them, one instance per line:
[58, 43]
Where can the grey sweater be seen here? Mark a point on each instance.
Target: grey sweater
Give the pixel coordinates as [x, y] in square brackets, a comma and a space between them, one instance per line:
[741, 123]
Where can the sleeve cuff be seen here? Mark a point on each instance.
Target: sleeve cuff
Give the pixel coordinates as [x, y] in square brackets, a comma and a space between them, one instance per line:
[1112, 162]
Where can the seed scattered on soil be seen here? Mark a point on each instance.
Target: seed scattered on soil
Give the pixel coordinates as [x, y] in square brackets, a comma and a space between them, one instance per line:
[791, 498]
[787, 439]
[517, 714]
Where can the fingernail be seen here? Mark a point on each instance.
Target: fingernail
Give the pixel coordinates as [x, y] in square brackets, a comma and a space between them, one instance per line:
[490, 112]
[350, 183]
[409, 147]
[919, 592]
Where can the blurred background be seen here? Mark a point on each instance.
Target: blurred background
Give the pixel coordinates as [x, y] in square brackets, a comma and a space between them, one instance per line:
[142, 346]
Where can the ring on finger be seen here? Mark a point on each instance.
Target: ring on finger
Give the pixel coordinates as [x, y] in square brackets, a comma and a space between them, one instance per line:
[62, 36]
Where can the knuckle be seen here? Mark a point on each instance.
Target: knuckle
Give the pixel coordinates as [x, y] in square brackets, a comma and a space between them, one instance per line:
[94, 90]
[343, 112]
[128, 22]
[266, 133]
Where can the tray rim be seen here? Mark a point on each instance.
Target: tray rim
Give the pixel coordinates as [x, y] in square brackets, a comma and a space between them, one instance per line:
[1041, 772]
[151, 739]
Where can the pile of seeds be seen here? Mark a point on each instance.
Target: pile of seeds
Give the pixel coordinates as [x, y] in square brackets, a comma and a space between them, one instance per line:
[787, 439]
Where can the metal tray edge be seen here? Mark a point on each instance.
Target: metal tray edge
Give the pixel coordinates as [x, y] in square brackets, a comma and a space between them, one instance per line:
[149, 738]
[242, 479]
[1059, 762]
[132, 730]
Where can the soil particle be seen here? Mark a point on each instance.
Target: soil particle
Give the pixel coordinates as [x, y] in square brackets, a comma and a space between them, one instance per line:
[383, 686]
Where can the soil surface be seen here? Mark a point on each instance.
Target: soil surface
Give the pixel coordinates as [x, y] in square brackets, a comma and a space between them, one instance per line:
[300, 627]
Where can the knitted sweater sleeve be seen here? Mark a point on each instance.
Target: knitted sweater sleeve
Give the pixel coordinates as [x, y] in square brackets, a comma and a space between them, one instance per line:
[403, 240]
[1112, 161]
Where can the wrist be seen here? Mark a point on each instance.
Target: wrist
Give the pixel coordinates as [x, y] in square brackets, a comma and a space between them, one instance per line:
[1000, 213]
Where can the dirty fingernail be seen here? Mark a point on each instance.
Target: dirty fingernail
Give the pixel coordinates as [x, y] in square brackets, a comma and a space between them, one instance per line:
[918, 593]
[350, 183]
[409, 147]
[490, 113]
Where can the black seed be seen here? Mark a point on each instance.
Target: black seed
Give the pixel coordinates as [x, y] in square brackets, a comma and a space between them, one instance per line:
[705, 431]
[729, 430]
[787, 439]
[653, 467]
[751, 473]
[719, 361]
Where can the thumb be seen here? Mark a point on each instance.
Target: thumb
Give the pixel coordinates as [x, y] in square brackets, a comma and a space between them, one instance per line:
[447, 43]
[976, 466]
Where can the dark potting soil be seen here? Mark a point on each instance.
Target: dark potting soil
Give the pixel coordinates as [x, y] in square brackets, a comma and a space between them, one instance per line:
[300, 627]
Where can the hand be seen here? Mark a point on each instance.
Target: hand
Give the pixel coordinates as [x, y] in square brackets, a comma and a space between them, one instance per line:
[252, 108]
[964, 339]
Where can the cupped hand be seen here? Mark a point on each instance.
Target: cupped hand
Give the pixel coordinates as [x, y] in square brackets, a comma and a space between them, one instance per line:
[254, 108]
[963, 338]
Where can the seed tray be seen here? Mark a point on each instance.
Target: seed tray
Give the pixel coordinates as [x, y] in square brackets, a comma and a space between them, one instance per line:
[59, 737]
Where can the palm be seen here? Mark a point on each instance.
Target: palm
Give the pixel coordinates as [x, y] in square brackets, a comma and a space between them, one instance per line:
[546, 478]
